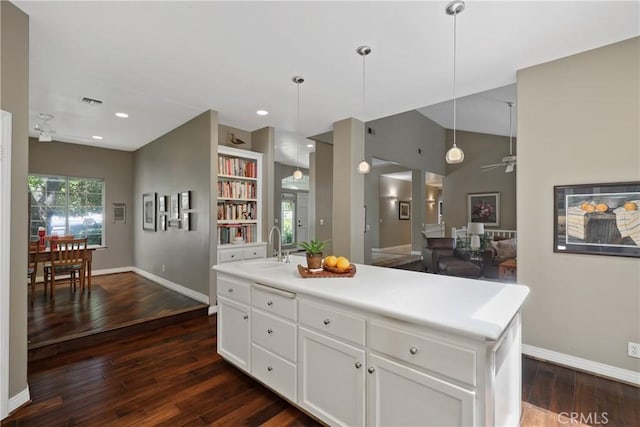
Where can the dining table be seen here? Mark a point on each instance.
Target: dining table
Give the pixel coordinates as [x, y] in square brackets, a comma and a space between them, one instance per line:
[45, 255]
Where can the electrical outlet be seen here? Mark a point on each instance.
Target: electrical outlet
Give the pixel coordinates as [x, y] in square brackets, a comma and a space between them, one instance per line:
[634, 349]
[163, 268]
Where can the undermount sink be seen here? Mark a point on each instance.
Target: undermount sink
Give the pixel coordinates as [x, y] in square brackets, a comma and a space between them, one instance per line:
[263, 264]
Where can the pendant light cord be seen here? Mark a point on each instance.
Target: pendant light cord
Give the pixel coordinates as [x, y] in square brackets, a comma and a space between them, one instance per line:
[455, 16]
[363, 82]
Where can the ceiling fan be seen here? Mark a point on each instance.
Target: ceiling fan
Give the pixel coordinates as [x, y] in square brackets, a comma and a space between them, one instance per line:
[508, 161]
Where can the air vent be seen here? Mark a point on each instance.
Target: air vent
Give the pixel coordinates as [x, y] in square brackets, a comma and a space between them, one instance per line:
[91, 101]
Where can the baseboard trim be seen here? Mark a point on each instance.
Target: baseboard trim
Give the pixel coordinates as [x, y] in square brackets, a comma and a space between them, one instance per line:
[103, 272]
[213, 309]
[116, 270]
[19, 400]
[581, 364]
[173, 286]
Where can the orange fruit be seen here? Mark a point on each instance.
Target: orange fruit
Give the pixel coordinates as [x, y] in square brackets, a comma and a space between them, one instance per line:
[330, 261]
[343, 263]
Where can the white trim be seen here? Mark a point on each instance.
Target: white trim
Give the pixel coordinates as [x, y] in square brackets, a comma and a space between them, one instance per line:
[173, 286]
[19, 399]
[5, 256]
[598, 368]
[213, 309]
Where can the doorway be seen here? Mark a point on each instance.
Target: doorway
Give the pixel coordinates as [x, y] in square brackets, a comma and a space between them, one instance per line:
[294, 217]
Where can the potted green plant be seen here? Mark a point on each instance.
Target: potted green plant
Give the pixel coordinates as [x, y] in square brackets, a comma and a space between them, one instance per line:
[314, 250]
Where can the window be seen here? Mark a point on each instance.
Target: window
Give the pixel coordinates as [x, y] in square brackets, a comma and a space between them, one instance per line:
[295, 184]
[67, 206]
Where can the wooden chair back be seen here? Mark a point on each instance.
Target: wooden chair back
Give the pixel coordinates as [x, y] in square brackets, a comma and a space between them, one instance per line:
[69, 253]
[34, 248]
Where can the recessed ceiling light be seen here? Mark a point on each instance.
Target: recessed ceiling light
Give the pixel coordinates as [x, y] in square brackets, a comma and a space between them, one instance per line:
[310, 145]
[122, 115]
[262, 112]
[96, 137]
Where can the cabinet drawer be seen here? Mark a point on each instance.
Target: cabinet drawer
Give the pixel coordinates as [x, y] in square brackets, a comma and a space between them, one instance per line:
[274, 334]
[274, 371]
[228, 255]
[254, 252]
[233, 289]
[330, 321]
[437, 356]
[274, 301]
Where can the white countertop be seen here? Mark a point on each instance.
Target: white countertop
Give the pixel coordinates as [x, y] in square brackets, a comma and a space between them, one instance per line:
[471, 307]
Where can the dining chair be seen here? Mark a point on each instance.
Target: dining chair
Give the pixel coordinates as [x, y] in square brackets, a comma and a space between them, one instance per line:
[68, 258]
[32, 267]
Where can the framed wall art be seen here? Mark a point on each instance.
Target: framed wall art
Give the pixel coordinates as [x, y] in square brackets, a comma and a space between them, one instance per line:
[163, 222]
[597, 219]
[186, 221]
[484, 208]
[174, 206]
[149, 211]
[404, 210]
[185, 201]
[162, 203]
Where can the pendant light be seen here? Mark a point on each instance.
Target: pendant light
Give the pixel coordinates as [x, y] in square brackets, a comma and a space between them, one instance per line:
[297, 174]
[455, 154]
[363, 167]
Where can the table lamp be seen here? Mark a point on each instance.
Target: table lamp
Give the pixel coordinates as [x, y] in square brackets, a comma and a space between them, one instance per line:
[475, 229]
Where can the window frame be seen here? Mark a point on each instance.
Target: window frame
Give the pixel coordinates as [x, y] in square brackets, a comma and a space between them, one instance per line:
[66, 180]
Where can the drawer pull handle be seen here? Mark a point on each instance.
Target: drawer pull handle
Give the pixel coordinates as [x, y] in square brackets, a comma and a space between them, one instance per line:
[413, 350]
[233, 256]
[245, 317]
[230, 290]
[358, 365]
[269, 331]
[269, 368]
[269, 303]
[255, 253]
[326, 321]
[371, 370]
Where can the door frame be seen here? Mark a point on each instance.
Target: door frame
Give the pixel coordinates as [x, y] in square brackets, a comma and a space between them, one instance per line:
[5, 256]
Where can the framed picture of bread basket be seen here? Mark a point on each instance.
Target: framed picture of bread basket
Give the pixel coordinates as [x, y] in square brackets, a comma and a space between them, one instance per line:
[597, 219]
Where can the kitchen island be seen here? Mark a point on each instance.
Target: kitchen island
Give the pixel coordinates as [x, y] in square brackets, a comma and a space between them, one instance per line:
[386, 347]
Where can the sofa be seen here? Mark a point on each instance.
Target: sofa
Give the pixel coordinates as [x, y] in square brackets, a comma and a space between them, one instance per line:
[441, 256]
[500, 250]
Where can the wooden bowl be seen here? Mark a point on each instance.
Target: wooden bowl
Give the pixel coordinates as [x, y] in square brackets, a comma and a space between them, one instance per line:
[339, 270]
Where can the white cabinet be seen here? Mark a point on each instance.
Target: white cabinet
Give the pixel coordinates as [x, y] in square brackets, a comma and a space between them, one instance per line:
[400, 396]
[347, 365]
[331, 380]
[233, 332]
[232, 253]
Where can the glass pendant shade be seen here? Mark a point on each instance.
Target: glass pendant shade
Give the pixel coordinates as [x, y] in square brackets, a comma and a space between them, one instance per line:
[297, 174]
[364, 167]
[454, 155]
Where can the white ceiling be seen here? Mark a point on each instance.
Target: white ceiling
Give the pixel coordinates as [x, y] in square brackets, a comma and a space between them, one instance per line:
[165, 62]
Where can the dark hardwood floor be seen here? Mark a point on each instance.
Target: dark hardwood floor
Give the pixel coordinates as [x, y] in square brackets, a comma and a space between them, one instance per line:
[174, 377]
[117, 302]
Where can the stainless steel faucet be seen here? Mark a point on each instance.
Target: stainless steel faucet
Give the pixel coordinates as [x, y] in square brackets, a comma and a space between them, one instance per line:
[279, 253]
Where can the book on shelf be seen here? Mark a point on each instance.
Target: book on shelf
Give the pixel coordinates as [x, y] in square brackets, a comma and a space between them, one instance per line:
[237, 167]
[236, 211]
[227, 232]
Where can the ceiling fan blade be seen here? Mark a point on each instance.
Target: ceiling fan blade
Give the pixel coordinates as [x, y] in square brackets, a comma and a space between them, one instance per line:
[488, 168]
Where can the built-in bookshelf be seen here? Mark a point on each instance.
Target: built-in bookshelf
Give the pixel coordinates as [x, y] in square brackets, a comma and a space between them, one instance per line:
[239, 201]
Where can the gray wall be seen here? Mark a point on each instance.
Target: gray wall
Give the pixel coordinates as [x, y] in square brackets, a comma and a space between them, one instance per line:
[324, 193]
[116, 168]
[398, 138]
[177, 161]
[578, 123]
[263, 141]
[393, 231]
[467, 177]
[14, 87]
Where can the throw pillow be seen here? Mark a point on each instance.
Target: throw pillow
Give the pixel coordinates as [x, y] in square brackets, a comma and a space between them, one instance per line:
[507, 248]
